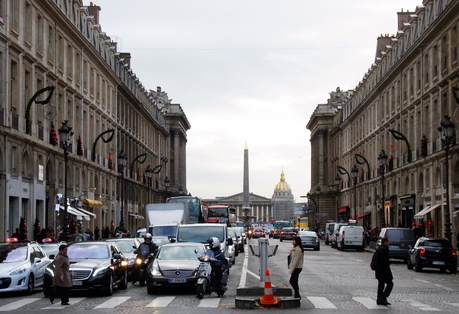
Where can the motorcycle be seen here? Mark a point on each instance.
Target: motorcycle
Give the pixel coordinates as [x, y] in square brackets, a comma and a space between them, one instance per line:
[205, 277]
[142, 260]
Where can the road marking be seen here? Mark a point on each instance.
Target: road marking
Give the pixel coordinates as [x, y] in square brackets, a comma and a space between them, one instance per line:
[161, 302]
[17, 304]
[422, 306]
[244, 268]
[424, 281]
[370, 303]
[453, 304]
[443, 287]
[112, 302]
[57, 304]
[321, 303]
[210, 302]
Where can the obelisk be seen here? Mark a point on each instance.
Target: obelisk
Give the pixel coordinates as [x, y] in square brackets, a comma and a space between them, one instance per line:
[245, 187]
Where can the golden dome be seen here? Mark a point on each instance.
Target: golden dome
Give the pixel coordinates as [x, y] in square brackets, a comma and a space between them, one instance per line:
[282, 185]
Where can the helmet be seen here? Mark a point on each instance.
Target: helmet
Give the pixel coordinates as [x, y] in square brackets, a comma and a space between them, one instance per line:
[213, 242]
[147, 236]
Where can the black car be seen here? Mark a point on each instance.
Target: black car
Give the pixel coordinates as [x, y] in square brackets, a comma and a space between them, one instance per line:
[401, 241]
[94, 266]
[287, 234]
[432, 253]
[310, 239]
[128, 247]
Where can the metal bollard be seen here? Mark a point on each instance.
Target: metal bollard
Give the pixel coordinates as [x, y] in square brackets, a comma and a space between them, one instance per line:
[263, 245]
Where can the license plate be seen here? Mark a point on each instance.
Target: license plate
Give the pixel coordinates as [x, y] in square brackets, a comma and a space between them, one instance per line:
[77, 283]
[1, 282]
[438, 263]
[177, 280]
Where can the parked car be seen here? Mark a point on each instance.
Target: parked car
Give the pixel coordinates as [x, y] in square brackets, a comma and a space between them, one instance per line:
[351, 237]
[401, 241]
[332, 232]
[310, 239]
[127, 247]
[175, 266]
[258, 233]
[22, 266]
[288, 234]
[432, 253]
[94, 266]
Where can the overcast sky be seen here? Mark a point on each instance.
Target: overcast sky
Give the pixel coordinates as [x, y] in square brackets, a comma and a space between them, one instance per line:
[249, 71]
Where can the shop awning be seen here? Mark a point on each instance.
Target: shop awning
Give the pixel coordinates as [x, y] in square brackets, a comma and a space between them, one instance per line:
[73, 211]
[363, 215]
[137, 216]
[92, 203]
[87, 212]
[426, 210]
[343, 209]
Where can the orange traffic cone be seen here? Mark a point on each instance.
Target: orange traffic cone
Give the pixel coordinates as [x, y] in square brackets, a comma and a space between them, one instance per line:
[268, 298]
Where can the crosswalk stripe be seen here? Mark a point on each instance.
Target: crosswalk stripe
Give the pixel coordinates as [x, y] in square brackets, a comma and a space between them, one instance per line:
[209, 302]
[321, 303]
[17, 304]
[161, 302]
[112, 302]
[370, 303]
[422, 306]
[57, 304]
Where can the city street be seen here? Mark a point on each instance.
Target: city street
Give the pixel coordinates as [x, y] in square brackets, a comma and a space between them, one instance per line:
[331, 281]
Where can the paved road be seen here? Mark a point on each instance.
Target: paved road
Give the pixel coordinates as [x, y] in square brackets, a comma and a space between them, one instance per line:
[332, 281]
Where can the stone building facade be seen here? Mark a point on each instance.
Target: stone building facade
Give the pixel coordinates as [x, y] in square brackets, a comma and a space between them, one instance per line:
[57, 48]
[397, 107]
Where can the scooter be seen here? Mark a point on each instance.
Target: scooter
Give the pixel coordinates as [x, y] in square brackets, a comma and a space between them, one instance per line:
[142, 260]
[205, 277]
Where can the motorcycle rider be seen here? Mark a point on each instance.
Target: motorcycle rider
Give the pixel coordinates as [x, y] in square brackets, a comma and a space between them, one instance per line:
[148, 240]
[217, 260]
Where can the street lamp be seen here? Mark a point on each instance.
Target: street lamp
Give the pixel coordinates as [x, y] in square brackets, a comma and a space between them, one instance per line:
[122, 160]
[382, 158]
[65, 134]
[446, 129]
[318, 203]
[337, 181]
[166, 185]
[148, 173]
[354, 173]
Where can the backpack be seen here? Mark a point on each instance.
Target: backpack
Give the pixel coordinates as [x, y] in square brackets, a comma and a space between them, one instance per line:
[374, 261]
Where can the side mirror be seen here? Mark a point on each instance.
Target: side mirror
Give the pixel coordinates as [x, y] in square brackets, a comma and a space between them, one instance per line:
[52, 256]
[117, 256]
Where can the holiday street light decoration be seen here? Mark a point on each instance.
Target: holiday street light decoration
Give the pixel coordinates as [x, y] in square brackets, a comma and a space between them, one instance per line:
[65, 134]
[448, 139]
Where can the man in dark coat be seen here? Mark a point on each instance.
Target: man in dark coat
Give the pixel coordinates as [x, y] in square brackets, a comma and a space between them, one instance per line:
[383, 272]
[62, 280]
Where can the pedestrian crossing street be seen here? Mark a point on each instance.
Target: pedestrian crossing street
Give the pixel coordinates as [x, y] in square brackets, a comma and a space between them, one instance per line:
[210, 302]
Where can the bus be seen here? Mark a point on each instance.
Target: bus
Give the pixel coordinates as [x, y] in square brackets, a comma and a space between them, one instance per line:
[281, 224]
[221, 214]
[196, 207]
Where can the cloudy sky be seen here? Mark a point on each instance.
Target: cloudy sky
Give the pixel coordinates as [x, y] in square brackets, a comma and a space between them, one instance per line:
[249, 71]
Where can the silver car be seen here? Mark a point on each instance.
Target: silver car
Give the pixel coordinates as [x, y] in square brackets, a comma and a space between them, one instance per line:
[175, 266]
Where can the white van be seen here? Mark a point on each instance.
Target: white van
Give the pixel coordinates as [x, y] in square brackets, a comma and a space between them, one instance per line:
[333, 229]
[351, 237]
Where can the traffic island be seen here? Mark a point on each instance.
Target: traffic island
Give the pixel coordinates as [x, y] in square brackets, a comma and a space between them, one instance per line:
[253, 303]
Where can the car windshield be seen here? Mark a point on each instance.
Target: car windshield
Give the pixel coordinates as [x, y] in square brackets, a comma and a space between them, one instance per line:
[79, 251]
[50, 249]
[164, 231]
[438, 243]
[307, 234]
[199, 233]
[180, 252]
[160, 241]
[126, 246]
[13, 254]
[399, 235]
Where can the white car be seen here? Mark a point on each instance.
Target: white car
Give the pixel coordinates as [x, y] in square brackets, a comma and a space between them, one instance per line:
[22, 266]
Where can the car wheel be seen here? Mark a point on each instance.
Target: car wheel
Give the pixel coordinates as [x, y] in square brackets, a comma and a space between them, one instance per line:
[453, 270]
[236, 252]
[281, 239]
[109, 289]
[316, 249]
[417, 266]
[123, 285]
[30, 284]
[151, 290]
[443, 269]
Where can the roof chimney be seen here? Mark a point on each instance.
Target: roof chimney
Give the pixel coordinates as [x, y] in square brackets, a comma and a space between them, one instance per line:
[403, 17]
[382, 43]
[127, 58]
[93, 10]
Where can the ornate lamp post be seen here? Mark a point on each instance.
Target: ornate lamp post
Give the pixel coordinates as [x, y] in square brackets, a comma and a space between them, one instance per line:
[122, 160]
[354, 173]
[337, 181]
[148, 173]
[446, 129]
[382, 158]
[166, 185]
[65, 134]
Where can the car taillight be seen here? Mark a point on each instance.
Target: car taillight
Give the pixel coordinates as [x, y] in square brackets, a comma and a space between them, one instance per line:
[317, 239]
[343, 234]
[422, 252]
[454, 253]
[282, 232]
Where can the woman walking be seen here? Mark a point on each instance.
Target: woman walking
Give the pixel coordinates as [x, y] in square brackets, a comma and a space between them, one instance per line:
[61, 280]
[295, 264]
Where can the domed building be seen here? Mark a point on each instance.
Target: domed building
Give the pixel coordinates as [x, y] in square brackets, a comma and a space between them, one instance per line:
[282, 202]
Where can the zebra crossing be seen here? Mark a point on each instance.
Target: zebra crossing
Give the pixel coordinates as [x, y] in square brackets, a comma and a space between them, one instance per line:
[212, 302]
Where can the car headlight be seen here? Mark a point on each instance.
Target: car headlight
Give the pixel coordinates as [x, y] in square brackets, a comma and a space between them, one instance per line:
[99, 272]
[155, 271]
[49, 271]
[18, 271]
[124, 263]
